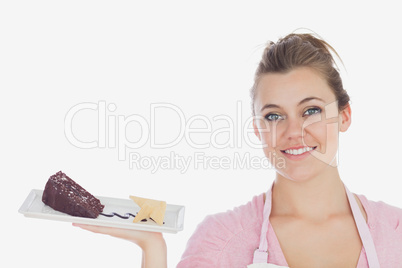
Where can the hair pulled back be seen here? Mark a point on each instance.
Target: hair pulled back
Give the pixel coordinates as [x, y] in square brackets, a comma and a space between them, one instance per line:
[302, 50]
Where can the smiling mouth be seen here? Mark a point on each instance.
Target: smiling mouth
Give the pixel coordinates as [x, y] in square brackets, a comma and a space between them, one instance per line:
[299, 151]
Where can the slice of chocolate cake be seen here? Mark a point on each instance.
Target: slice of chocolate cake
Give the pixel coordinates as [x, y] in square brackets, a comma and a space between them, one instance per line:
[65, 195]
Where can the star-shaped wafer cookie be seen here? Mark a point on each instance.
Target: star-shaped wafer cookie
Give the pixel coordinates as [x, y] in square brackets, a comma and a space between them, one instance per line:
[149, 209]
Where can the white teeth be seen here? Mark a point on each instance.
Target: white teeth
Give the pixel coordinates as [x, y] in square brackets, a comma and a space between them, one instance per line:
[299, 151]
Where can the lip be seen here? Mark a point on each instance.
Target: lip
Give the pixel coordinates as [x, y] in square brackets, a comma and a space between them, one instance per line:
[297, 147]
[300, 156]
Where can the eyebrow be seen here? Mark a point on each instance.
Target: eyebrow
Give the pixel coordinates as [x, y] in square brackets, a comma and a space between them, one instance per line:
[266, 106]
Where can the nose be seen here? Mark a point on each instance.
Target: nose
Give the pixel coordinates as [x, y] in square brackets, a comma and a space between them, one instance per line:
[294, 129]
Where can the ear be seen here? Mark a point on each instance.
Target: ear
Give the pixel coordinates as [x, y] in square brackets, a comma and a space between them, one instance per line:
[345, 118]
[256, 132]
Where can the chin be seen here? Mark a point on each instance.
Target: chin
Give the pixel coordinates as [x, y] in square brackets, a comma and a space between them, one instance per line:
[296, 175]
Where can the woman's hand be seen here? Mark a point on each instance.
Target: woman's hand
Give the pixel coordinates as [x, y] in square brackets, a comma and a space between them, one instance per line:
[154, 251]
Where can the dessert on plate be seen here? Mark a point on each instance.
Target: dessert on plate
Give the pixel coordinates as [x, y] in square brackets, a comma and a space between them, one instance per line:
[150, 208]
[65, 195]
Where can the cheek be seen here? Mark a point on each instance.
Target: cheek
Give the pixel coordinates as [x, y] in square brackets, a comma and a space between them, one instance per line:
[317, 132]
[270, 138]
[266, 133]
[266, 140]
[325, 133]
[327, 137]
[332, 136]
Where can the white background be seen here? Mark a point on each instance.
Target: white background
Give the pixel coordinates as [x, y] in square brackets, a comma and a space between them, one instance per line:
[199, 56]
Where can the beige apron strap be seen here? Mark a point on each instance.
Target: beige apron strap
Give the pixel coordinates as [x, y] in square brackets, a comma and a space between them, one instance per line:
[261, 253]
[364, 232]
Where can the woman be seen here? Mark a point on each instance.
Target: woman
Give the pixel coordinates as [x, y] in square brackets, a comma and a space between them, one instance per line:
[307, 218]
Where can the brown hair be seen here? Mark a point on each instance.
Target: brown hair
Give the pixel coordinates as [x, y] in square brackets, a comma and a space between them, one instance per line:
[302, 50]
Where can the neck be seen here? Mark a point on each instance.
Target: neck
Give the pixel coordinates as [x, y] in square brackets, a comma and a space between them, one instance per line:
[316, 199]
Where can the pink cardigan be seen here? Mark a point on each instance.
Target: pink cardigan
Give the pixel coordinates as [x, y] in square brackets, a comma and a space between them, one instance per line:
[229, 239]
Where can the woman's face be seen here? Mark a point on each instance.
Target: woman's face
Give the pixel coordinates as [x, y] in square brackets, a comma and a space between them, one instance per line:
[298, 122]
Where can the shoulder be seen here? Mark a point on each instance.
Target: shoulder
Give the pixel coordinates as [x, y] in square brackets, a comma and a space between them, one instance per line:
[226, 224]
[220, 233]
[237, 219]
[381, 214]
[385, 225]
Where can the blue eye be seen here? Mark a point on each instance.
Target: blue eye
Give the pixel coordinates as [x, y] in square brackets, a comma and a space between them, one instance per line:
[312, 111]
[273, 117]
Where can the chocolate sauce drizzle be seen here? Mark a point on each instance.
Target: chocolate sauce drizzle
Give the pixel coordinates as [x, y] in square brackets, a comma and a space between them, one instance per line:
[125, 216]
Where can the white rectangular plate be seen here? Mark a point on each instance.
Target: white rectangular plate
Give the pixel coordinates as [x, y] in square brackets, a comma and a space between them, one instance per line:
[33, 207]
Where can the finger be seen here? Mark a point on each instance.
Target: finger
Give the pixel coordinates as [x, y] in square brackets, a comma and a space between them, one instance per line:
[96, 229]
[112, 231]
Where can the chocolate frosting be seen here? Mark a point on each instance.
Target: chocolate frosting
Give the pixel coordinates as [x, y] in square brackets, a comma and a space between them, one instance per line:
[65, 195]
